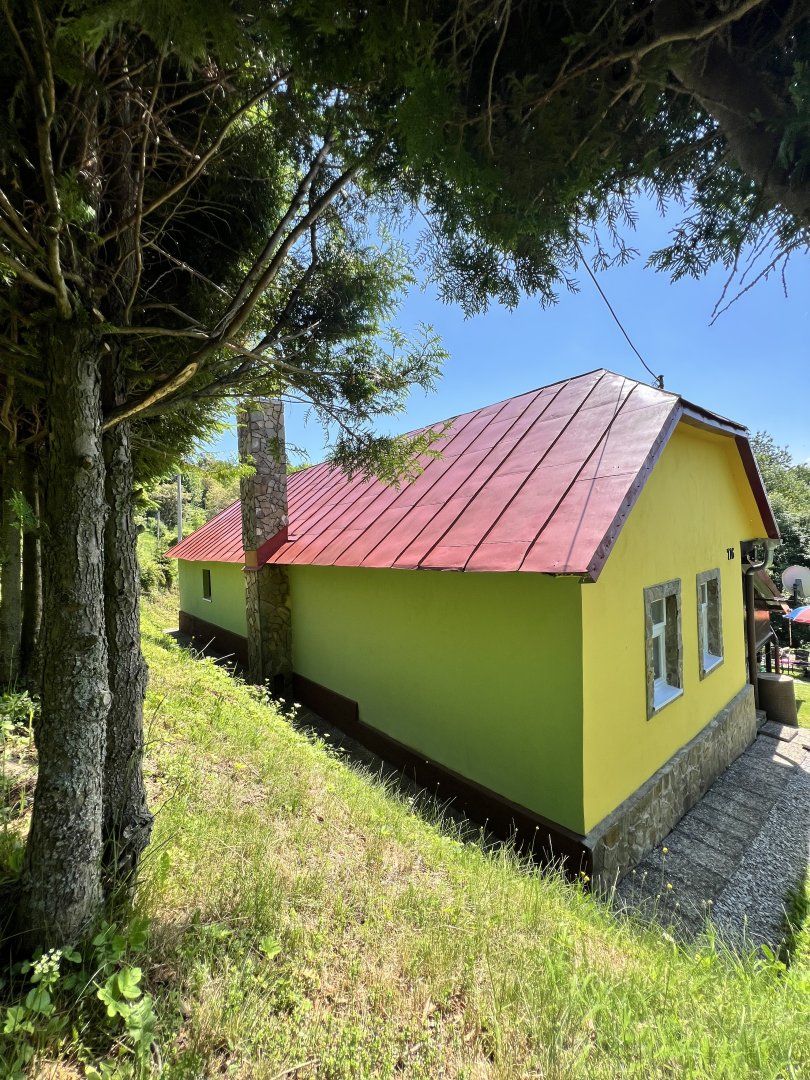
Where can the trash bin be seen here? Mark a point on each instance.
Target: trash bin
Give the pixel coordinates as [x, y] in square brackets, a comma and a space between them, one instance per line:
[778, 698]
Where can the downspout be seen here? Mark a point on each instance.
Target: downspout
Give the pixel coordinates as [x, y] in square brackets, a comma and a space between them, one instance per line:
[751, 629]
[748, 549]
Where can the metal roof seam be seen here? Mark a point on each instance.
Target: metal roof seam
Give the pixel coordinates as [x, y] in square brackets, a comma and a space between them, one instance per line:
[579, 471]
[333, 480]
[467, 417]
[512, 449]
[614, 528]
[539, 483]
[358, 480]
[532, 399]
[525, 481]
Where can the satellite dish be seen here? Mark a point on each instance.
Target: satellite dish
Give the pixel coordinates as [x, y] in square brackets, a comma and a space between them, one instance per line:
[795, 574]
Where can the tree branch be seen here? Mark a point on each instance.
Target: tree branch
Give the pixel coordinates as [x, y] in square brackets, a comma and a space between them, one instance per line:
[748, 115]
[192, 175]
[297, 201]
[695, 31]
[53, 225]
[27, 275]
[222, 338]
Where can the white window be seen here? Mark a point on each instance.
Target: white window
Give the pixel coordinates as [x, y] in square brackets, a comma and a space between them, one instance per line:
[662, 612]
[659, 644]
[710, 634]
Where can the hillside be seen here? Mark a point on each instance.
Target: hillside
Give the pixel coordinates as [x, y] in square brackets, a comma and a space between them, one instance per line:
[402, 951]
[307, 922]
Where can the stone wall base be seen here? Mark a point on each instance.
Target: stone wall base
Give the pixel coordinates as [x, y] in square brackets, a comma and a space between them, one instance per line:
[619, 841]
[269, 625]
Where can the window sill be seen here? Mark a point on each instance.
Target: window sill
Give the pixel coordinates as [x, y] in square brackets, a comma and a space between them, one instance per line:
[710, 663]
[206, 599]
[663, 696]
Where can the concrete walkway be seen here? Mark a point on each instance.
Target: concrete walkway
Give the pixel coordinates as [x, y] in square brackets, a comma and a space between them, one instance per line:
[736, 854]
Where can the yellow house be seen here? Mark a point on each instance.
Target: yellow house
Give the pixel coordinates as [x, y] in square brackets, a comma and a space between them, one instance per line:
[549, 620]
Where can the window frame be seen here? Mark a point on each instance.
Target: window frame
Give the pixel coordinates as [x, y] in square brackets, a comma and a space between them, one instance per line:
[206, 584]
[710, 628]
[659, 646]
[663, 639]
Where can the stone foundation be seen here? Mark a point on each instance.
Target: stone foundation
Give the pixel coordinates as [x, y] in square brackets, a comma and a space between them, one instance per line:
[620, 841]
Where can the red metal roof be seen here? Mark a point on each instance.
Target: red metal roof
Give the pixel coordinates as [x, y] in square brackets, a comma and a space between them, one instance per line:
[541, 483]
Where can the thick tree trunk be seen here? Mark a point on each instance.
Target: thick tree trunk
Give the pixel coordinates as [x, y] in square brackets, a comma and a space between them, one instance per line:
[750, 116]
[31, 580]
[127, 821]
[10, 572]
[61, 883]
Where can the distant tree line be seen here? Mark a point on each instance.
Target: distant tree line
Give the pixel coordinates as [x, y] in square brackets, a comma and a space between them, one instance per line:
[788, 486]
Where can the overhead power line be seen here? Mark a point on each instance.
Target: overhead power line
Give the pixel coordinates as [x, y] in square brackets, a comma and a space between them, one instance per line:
[659, 379]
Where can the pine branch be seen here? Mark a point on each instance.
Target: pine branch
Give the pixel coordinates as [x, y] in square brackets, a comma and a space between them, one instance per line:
[191, 176]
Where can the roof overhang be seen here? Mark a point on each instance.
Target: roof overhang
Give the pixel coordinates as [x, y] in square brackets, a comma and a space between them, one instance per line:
[695, 416]
[580, 499]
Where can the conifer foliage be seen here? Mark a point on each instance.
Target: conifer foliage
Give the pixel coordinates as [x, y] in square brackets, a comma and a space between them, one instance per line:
[183, 218]
[190, 199]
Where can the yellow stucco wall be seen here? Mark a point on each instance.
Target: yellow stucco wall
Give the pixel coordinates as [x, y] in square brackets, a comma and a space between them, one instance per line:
[696, 504]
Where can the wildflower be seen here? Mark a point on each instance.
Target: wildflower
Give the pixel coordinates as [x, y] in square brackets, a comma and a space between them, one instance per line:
[665, 851]
[669, 884]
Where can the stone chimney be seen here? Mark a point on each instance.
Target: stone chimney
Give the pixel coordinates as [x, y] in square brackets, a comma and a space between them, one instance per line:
[264, 528]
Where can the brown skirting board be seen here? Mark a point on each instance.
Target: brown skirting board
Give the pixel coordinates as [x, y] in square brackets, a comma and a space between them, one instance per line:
[545, 839]
[223, 641]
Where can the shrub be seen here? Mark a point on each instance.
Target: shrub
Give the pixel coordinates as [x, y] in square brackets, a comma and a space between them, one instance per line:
[156, 572]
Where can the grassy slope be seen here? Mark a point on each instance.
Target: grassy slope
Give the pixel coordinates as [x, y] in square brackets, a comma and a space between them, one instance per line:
[302, 914]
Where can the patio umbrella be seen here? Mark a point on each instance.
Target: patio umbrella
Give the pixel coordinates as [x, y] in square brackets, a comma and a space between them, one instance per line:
[797, 615]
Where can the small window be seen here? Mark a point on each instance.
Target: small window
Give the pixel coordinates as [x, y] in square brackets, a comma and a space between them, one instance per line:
[709, 627]
[662, 617]
[206, 584]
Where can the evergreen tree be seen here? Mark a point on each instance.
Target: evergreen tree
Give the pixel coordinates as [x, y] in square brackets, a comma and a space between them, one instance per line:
[183, 215]
[536, 126]
[788, 486]
[185, 199]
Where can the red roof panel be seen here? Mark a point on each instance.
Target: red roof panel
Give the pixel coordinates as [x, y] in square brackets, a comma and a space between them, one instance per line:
[539, 483]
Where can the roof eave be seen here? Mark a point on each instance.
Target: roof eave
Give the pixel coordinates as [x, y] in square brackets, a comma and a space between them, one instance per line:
[697, 417]
[656, 450]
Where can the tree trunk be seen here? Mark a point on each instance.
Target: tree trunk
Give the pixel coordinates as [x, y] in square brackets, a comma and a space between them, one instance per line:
[10, 572]
[127, 821]
[748, 113]
[61, 889]
[31, 579]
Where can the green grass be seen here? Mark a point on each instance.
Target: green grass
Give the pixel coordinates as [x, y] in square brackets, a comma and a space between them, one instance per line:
[307, 922]
[802, 687]
[305, 918]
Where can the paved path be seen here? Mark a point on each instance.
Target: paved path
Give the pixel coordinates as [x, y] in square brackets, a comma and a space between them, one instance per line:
[739, 850]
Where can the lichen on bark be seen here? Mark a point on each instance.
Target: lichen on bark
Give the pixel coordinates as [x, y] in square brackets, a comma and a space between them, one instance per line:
[127, 821]
[61, 889]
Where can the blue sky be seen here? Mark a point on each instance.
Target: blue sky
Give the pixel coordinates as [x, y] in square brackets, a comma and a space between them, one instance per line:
[752, 365]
